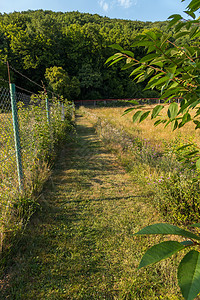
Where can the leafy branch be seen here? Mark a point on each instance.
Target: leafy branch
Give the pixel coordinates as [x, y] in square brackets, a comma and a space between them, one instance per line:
[188, 281]
[177, 76]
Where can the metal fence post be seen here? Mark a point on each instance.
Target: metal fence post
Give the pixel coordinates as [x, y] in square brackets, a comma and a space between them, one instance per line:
[16, 137]
[48, 110]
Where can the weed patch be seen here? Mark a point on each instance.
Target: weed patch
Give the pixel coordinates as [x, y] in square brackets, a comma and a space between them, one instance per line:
[40, 142]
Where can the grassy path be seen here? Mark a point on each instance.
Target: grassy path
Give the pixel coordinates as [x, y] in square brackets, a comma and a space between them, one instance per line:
[81, 244]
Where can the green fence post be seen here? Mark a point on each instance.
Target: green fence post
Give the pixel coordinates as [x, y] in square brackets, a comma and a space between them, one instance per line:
[16, 136]
[48, 110]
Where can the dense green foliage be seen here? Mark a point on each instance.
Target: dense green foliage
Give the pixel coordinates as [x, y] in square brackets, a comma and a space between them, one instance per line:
[34, 41]
[173, 69]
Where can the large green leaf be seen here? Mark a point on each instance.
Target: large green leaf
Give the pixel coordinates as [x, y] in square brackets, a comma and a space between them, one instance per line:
[148, 57]
[137, 70]
[116, 61]
[144, 116]
[129, 53]
[144, 43]
[113, 57]
[156, 111]
[117, 47]
[164, 228]
[169, 92]
[172, 110]
[137, 115]
[181, 34]
[165, 37]
[175, 19]
[190, 13]
[159, 252]
[151, 35]
[128, 110]
[194, 5]
[189, 275]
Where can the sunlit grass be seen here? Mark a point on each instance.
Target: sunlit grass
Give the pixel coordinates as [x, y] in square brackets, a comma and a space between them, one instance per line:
[146, 129]
[150, 154]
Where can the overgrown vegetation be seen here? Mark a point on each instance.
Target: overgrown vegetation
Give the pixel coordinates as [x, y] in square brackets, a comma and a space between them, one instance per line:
[40, 142]
[154, 157]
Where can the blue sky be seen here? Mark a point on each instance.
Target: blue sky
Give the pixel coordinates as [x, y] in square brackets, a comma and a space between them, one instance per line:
[143, 10]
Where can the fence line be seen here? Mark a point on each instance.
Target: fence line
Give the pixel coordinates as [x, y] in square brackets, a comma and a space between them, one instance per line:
[139, 100]
[29, 129]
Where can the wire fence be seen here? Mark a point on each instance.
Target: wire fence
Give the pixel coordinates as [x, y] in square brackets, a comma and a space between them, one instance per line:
[30, 128]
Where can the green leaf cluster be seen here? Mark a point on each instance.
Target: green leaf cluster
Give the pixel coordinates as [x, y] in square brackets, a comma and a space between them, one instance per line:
[189, 267]
[172, 67]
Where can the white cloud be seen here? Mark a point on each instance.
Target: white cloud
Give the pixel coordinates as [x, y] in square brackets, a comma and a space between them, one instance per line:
[125, 3]
[110, 4]
[104, 5]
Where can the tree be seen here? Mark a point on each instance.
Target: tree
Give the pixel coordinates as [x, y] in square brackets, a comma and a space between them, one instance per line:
[60, 82]
[174, 70]
[33, 41]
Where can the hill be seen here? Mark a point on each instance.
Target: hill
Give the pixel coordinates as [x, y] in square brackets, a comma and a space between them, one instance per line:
[34, 41]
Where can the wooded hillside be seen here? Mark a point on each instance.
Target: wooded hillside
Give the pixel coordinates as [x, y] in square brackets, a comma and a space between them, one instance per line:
[70, 48]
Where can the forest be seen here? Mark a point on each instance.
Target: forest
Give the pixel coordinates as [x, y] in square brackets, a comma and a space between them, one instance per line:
[67, 51]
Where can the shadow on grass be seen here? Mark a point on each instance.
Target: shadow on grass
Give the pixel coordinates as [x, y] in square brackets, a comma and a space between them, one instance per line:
[58, 255]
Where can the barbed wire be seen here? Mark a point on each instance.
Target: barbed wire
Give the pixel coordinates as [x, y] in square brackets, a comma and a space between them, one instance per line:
[27, 78]
[27, 91]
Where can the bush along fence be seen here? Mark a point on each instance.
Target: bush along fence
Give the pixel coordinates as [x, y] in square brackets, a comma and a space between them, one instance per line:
[31, 128]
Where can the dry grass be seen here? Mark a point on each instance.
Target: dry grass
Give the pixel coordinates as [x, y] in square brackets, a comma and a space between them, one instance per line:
[146, 129]
[150, 154]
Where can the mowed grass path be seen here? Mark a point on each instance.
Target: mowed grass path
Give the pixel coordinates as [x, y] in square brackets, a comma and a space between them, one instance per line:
[81, 244]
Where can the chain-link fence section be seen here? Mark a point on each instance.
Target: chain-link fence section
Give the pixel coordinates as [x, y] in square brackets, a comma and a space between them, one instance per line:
[30, 129]
[8, 169]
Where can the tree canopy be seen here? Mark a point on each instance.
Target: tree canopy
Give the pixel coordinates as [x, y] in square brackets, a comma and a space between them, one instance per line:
[34, 41]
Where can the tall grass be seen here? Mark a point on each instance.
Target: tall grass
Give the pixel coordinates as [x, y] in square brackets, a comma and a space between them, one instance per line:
[39, 142]
[150, 154]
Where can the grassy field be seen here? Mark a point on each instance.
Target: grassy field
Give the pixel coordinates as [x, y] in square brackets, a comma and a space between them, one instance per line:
[104, 188]
[150, 154]
[146, 130]
[80, 245]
